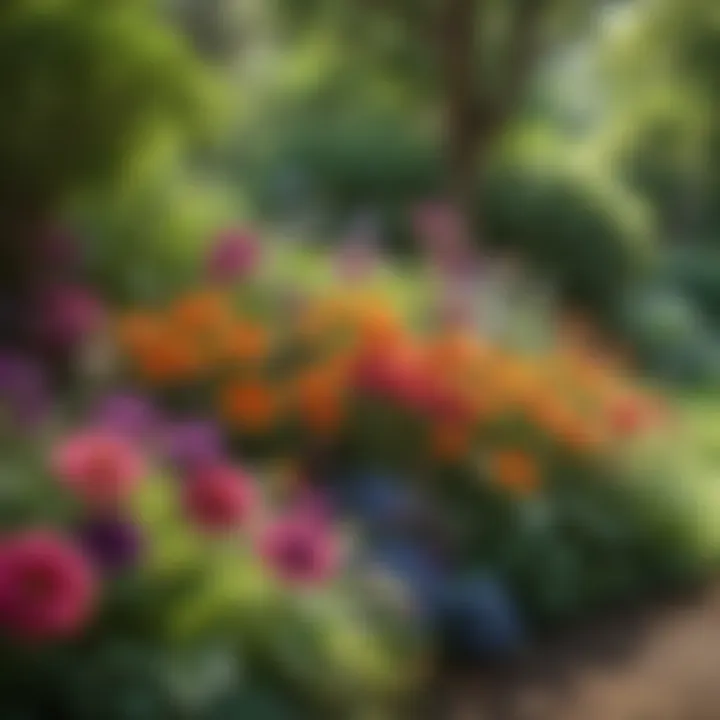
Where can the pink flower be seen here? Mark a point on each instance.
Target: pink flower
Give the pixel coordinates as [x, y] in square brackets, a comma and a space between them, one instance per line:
[300, 549]
[220, 498]
[445, 238]
[100, 467]
[234, 255]
[47, 587]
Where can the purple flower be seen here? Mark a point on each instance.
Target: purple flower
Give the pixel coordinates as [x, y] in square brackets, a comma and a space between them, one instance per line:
[131, 416]
[190, 445]
[234, 255]
[23, 389]
[65, 315]
[59, 248]
[113, 543]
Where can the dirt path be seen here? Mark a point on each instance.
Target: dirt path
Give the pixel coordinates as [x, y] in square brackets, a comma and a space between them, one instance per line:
[658, 664]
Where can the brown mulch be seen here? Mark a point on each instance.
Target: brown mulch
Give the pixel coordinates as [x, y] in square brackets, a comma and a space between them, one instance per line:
[658, 663]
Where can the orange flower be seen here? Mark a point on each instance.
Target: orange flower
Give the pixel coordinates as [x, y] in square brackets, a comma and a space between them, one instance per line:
[320, 398]
[377, 325]
[515, 470]
[245, 342]
[169, 357]
[137, 330]
[250, 406]
[583, 436]
[451, 441]
[201, 312]
[456, 351]
[322, 315]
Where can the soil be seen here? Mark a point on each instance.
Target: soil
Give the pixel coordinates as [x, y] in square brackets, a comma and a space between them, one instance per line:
[657, 663]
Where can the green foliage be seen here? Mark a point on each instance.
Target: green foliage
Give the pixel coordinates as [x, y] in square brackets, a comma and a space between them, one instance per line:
[669, 335]
[82, 82]
[696, 270]
[340, 164]
[664, 91]
[573, 222]
[144, 236]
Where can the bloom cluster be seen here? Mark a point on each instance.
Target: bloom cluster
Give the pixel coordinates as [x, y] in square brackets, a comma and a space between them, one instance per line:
[51, 578]
[344, 358]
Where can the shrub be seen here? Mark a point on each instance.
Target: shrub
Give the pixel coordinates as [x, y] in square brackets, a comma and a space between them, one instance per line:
[589, 235]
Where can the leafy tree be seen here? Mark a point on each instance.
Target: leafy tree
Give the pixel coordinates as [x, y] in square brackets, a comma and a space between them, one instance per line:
[83, 84]
[664, 72]
[471, 61]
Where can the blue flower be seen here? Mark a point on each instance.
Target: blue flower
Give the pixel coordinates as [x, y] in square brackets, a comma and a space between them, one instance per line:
[378, 500]
[419, 571]
[479, 620]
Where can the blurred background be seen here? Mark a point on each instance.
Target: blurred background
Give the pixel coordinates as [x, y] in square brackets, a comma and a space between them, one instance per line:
[558, 160]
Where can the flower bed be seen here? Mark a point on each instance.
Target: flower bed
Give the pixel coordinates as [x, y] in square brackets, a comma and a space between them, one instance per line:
[228, 530]
[141, 579]
[503, 482]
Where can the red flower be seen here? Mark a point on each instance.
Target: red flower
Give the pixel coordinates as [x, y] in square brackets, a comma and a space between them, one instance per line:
[47, 587]
[220, 498]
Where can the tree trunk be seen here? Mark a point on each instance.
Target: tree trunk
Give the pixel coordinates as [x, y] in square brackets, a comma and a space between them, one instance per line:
[22, 270]
[457, 49]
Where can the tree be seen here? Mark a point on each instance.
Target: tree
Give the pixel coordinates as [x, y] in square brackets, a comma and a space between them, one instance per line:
[473, 60]
[664, 72]
[83, 84]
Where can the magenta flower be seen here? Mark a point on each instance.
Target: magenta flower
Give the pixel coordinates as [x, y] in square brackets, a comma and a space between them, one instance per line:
[66, 315]
[220, 498]
[300, 549]
[234, 255]
[47, 587]
[100, 467]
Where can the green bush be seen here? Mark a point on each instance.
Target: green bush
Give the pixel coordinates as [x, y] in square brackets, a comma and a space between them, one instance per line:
[589, 235]
[340, 164]
[82, 81]
[585, 232]
[143, 238]
[696, 270]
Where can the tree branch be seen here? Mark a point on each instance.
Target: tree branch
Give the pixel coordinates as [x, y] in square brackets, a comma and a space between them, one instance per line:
[524, 48]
